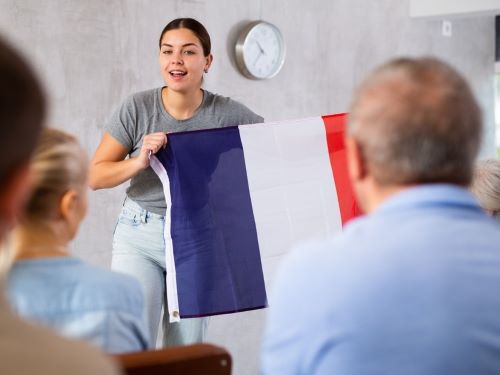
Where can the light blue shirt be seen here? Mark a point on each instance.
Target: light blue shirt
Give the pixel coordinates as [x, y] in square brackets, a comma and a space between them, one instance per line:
[413, 288]
[80, 301]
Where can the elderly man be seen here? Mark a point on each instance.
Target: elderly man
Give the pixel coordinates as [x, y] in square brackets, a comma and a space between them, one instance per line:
[414, 286]
[26, 349]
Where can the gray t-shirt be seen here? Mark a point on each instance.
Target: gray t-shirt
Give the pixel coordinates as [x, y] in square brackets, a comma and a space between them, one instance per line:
[143, 113]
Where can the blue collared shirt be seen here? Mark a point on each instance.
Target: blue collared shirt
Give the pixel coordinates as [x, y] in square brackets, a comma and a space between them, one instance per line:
[413, 288]
[80, 301]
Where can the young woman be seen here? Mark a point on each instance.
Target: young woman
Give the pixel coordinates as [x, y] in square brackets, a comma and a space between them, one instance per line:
[139, 128]
[46, 284]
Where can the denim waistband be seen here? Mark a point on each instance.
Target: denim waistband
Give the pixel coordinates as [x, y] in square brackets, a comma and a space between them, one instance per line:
[134, 207]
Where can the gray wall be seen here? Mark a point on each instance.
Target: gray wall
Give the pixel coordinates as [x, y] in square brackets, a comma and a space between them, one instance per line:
[93, 53]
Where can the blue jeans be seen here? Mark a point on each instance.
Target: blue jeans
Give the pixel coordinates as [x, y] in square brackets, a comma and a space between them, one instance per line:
[139, 251]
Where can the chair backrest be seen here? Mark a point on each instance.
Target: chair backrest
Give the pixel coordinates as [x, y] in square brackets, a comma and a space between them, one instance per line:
[181, 360]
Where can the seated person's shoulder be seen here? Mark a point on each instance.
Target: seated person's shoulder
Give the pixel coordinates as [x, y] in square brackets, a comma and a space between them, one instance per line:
[309, 258]
[110, 289]
[26, 349]
[324, 262]
[329, 251]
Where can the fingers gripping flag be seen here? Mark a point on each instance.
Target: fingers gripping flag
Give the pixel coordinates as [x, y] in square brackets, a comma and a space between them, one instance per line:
[238, 193]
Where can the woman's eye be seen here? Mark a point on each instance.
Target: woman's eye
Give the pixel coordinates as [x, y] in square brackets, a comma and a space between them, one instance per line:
[189, 52]
[167, 52]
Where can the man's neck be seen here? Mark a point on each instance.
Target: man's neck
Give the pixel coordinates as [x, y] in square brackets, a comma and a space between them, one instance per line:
[376, 194]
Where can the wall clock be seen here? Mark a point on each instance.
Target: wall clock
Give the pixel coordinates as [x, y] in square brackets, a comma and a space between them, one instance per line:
[260, 50]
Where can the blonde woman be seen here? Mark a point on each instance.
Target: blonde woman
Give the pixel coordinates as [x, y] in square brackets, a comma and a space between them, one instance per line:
[486, 186]
[46, 284]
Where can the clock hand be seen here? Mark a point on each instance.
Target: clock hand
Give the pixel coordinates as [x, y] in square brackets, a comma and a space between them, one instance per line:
[257, 59]
[260, 47]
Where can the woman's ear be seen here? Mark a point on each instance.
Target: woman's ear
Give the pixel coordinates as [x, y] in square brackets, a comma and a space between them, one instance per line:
[208, 60]
[72, 208]
[68, 204]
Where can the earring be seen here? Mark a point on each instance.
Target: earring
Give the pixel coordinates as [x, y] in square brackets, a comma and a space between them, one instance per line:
[205, 70]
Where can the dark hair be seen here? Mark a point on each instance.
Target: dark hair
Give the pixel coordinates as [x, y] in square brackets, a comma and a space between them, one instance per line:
[417, 121]
[22, 110]
[191, 24]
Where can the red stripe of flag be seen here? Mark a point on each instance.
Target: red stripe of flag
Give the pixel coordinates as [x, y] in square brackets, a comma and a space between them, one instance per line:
[335, 127]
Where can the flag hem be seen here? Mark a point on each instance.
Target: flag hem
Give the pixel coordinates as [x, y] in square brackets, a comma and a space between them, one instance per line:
[171, 274]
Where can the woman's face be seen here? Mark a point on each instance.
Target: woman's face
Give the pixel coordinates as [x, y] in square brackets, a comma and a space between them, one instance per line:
[182, 62]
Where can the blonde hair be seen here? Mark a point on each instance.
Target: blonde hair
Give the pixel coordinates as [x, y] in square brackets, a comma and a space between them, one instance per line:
[59, 164]
[486, 185]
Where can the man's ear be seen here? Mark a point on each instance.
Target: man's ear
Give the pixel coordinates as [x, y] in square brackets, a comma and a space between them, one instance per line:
[14, 193]
[356, 163]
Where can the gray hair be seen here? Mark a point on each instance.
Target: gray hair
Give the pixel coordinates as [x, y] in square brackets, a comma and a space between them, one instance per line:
[416, 121]
[486, 185]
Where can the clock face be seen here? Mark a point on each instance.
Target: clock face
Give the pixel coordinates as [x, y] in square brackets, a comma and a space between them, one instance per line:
[260, 51]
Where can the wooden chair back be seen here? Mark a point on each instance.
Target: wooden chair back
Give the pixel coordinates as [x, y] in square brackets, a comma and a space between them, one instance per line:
[182, 360]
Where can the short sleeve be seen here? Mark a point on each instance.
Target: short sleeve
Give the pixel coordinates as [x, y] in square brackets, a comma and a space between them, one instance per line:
[229, 112]
[123, 124]
[246, 115]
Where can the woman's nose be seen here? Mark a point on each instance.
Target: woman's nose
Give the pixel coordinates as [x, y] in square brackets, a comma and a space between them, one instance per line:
[177, 58]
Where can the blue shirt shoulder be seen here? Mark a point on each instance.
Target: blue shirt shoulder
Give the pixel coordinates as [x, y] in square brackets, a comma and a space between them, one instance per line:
[80, 301]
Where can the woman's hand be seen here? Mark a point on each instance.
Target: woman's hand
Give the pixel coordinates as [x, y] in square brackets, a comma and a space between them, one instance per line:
[151, 144]
[109, 166]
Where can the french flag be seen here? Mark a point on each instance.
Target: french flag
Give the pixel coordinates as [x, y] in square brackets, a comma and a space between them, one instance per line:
[237, 194]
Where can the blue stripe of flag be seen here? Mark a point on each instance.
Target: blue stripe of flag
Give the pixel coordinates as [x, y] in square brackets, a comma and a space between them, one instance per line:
[213, 230]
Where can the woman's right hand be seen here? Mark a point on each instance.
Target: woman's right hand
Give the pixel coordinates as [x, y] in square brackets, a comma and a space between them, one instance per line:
[151, 144]
[109, 166]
